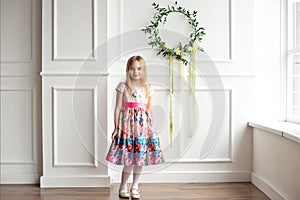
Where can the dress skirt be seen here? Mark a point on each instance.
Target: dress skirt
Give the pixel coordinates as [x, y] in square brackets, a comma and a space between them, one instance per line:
[136, 142]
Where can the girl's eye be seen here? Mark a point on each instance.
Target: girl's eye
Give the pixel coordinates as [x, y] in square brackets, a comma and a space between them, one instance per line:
[137, 68]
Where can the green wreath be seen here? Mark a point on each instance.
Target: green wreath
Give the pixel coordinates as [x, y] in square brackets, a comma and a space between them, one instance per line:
[160, 17]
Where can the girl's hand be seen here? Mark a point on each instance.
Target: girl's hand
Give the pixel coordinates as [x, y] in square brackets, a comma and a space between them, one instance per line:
[113, 135]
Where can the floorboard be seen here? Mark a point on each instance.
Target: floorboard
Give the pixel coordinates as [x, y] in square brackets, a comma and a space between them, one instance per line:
[161, 191]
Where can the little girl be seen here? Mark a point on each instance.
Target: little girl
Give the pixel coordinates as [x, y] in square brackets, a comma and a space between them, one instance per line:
[135, 143]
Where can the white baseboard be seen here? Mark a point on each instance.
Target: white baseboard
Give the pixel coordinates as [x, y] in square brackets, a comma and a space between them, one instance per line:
[265, 187]
[189, 177]
[20, 178]
[79, 181]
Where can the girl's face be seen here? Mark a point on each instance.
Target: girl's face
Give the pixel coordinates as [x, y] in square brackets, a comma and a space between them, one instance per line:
[135, 71]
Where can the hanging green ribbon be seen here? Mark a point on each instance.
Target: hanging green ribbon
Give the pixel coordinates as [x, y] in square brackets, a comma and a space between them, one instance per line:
[192, 72]
[192, 86]
[171, 91]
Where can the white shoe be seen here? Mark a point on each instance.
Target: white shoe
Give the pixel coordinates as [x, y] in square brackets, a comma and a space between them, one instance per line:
[135, 193]
[123, 193]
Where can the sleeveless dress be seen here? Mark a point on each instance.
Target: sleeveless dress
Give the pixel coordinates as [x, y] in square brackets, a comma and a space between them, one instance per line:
[136, 142]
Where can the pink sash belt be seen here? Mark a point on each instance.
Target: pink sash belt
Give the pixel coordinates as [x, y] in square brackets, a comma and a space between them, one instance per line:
[134, 105]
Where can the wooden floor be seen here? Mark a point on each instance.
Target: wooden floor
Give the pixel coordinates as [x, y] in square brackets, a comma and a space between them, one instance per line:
[218, 191]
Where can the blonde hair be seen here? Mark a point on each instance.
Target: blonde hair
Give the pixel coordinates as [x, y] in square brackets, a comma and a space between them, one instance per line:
[142, 63]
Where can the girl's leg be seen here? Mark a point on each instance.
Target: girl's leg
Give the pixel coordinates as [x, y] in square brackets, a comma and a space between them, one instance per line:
[137, 170]
[125, 176]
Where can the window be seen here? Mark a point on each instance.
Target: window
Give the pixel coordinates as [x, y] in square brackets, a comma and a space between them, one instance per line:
[293, 62]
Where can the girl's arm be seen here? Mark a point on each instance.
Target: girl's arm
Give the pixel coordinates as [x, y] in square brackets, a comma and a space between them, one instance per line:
[118, 107]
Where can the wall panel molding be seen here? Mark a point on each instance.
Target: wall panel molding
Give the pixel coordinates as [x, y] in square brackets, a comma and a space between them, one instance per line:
[72, 74]
[57, 162]
[20, 37]
[26, 126]
[28, 15]
[248, 75]
[88, 56]
[229, 143]
[72, 140]
[20, 130]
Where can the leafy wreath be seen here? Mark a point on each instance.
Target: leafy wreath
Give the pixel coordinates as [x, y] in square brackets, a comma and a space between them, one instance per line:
[155, 40]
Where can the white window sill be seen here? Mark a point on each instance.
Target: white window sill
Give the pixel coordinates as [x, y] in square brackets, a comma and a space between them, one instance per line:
[284, 129]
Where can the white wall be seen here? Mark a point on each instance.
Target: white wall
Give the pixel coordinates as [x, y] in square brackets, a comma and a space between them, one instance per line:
[268, 57]
[276, 165]
[21, 160]
[78, 92]
[229, 44]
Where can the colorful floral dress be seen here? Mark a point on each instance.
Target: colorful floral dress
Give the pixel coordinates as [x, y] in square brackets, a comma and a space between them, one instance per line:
[136, 143]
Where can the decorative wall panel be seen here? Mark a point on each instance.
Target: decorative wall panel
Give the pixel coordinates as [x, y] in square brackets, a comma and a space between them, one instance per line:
[187, 144]
[16, 31]
[16, 127]
[74, 134]
[74, 34]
